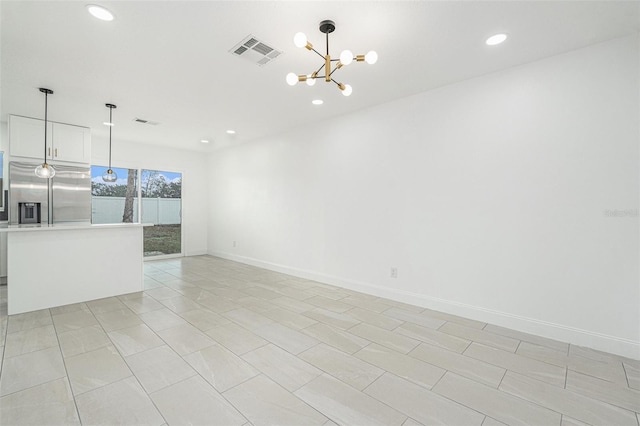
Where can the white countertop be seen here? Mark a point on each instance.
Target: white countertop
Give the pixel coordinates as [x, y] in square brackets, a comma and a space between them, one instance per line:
[67, 226]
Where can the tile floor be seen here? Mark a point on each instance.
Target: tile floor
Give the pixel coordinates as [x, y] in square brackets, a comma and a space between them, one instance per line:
[212, 341]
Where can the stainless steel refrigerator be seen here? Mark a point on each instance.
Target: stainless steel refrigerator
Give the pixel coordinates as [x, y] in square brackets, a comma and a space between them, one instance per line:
[66, 198]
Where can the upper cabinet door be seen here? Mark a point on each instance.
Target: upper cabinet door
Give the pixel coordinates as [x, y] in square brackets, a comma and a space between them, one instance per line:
[26, 137]
[65, 143]
[71, 143]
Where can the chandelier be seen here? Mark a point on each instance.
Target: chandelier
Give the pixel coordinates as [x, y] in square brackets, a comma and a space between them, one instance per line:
[346, 57]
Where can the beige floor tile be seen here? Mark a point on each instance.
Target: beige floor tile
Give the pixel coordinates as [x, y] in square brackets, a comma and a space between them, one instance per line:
[292, 304]
[121, 403]
[568, 421]
[255, 304]
[613, 393]
[288, 318]
[454, 319]
[287, 338]
[247, 318]
[180, 304]
[613, 372]
[158, 368]
[480, 336]
[185, 339]
[421, 404]
[285, 369]
[520, 364]
[142, 304]
[235, 338]
[26, 321]
[117, 319]
[462, 365]
[105, 305]
[373, 318]
[328, 291]
[293, 293]
[349, 369]
[633, 376]
[204, 319]
[194, 401]
[369, 303]
[50, 403]
[494, 403]
[566, 402]
[134, 339]
[329, 304]
[339, 339]
[345, 405]
[411, 422]
[526, 337]
[161, 319]
[83, 340]
[488, 421]
[218, 304]
[401, 365]
[433, 337]
[261, 293]
[264, 402]
[221, 367]
[415, 318]
[74, 307]
[384, 337]
[30, 340]
[31, 369]
[162, 293]
[95, 369]
[74, 320]
[334, 319]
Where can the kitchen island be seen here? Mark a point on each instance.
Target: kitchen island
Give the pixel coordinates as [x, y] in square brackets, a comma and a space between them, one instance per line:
[56, 265]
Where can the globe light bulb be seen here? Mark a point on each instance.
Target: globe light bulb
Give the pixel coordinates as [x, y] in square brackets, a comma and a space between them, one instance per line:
[496, 39]
[45, 171]
[109, 176]
[347, 90]
[310, 81]
[292, 79]
[300, 40]
[371, 57]
[346, 57]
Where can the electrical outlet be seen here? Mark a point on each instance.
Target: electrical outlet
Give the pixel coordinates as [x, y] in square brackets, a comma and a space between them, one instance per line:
[234, 243]
[394, 272]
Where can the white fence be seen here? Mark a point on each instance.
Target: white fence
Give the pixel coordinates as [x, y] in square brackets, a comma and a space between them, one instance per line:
[159, 211]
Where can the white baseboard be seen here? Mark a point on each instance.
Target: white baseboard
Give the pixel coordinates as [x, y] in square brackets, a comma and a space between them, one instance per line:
[615, 345]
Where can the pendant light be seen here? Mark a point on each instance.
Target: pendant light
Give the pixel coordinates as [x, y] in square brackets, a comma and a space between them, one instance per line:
[110, 175]
[44, 170]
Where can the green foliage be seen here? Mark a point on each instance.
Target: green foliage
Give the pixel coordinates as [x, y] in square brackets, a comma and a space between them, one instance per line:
[154, 185]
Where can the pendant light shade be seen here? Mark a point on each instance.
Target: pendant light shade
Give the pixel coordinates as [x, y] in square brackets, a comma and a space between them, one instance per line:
[45, 170]
[110, 175]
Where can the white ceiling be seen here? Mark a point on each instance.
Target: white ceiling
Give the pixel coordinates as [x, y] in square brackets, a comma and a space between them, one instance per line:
[169, 61]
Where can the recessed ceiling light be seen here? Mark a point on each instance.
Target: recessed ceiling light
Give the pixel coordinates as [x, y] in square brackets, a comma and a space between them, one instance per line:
[317, 101]
[231, 132]
[496, 39]
[106, 123]
[100, 12]
[204, 141]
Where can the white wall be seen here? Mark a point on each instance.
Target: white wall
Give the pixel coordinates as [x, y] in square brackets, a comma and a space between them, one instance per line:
[191, 164]
[490, 196]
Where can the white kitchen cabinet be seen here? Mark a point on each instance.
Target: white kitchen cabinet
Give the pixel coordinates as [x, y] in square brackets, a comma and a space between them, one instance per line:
[65, 142]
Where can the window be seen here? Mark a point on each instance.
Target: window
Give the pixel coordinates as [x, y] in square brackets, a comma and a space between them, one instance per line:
[114, 202]
[162, 205]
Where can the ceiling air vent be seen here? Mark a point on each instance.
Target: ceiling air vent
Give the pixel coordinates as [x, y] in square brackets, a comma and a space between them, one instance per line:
[149, 122]
[255, 51]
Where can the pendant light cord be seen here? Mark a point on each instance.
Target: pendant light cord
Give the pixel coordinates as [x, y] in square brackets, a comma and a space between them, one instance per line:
[110, 126]
[46, 97]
